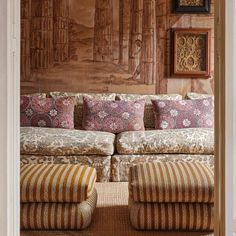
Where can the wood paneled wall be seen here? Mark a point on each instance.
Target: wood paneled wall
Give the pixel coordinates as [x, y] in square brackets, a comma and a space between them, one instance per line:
[105, 46]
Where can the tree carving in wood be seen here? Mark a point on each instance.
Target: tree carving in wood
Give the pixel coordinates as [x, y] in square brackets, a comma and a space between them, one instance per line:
[135, 47]
[148, 59]
[41, 43]
[103, 30]
[124, 32]
[25, 39]
[61, 30]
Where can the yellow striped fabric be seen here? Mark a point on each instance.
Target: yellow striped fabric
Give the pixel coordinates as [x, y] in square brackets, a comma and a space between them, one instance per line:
[172, 216]
[171, 182]
[58, 216]
[56, 183]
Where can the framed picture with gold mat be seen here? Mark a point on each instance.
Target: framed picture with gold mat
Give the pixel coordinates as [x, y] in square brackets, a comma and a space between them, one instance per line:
[191, 6]
[190, 53]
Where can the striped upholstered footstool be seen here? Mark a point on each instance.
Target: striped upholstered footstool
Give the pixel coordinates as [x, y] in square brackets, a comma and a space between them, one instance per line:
[171, 196]
[57, 196]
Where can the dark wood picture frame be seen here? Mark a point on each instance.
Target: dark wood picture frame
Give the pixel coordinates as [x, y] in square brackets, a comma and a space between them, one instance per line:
[206, 8]
[205, 46]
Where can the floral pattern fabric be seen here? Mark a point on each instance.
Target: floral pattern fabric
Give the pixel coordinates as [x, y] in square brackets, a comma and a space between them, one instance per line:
[102, 164]
[193, 96]
[184, 114]
[148, 97]
[62, 142]
[149, 119]
[121, 163]
[47, 112]
[178, 141]
[113, 116]
[78, 114]
[40, 95]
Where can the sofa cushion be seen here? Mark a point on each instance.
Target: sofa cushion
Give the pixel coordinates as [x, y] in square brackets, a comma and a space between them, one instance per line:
[188, 141]
[193, 96]
[171, 182]
[62, 142]
[56, 183]
[198, 113]
[78, 115]
[113, 116]
[47, 112]
[148, 110]
[40, 95]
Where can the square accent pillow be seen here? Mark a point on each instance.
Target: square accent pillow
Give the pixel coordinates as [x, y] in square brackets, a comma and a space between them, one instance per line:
[78, 114]
[148, 109]
[113, 116]
[47, 112]
[197, 113]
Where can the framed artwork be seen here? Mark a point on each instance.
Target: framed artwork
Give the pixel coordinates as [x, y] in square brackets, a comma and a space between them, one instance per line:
[191, 53]
[191, 6]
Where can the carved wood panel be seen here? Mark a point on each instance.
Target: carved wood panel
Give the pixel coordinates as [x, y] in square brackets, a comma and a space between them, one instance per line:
[191, 2]
[191, 52]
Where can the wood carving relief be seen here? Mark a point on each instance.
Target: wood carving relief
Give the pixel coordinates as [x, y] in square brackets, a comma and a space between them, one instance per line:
[191, 52]
[191, 2]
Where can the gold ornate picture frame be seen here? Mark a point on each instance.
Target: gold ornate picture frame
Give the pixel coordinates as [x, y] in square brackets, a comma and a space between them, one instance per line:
[191, 6]
[191, 53]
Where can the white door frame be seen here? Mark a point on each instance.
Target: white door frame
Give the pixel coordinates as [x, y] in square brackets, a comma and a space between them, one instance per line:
[9, 117]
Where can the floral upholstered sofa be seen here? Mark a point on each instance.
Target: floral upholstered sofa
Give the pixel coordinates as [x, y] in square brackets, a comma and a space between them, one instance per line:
[112, 155]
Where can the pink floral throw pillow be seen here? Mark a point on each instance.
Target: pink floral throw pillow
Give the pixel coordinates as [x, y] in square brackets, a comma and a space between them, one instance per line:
[113, 116]
[183, 114]
[47, 112]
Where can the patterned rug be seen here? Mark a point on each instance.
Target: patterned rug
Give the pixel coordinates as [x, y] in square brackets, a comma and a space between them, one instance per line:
[111, 217]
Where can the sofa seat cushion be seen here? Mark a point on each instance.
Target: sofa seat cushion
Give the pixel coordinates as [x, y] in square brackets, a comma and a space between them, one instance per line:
[172, 216]
[58, 216]
[171, 182]
[56, 183]
[179, 141]
[52, 141]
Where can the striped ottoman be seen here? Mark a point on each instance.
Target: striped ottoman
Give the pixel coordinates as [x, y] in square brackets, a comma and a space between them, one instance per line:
[171, 196]
[57, 197]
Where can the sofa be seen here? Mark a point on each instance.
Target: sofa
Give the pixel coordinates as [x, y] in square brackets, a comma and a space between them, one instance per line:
[112, 155]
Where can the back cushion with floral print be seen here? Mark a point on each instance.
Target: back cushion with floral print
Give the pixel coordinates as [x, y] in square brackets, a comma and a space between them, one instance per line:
[47, 112]
[113, 116]
[197, 113]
